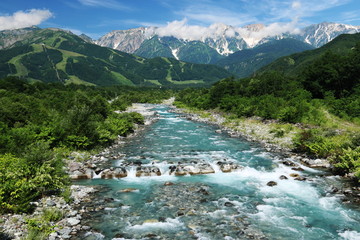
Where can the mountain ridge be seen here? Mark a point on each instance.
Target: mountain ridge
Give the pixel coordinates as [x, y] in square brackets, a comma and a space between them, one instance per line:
[226, 39]
[53, 55]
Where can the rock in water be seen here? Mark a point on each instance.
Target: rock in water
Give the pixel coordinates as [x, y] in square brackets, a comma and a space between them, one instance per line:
[146, 171]
[226, 166]
[119, 172]
[283, 177]
[271, 183]
[126, 190]
[192, 168]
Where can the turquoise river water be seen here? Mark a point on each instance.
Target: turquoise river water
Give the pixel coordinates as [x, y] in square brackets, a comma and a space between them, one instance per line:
[236, 205]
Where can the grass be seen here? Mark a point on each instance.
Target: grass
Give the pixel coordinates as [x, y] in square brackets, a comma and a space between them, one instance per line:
[75, 80]
[121, 79]
[156, 82]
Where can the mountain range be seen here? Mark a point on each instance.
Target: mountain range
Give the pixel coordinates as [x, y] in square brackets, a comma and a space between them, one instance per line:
[224, 45]
[142, 57]
[224, 39]
[56, 55]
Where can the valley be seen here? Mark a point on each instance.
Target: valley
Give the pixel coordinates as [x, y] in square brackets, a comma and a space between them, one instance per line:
[151, 133]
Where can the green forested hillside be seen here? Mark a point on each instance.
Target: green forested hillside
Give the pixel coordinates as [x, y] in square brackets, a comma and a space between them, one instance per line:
[53, 55]
[246, 62]
[296, 63]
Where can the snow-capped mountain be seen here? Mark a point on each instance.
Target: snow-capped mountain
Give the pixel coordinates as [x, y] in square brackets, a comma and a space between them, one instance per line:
[322, 33]
[224, 39]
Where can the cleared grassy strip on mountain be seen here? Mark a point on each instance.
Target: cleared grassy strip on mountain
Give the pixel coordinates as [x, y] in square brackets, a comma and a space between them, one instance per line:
[122, 79]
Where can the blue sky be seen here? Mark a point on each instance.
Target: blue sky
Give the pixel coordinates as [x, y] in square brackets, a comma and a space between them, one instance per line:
[97, 17]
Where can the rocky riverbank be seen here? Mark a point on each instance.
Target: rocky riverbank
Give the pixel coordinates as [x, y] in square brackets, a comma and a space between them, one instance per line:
[272, 137]
[56, 215]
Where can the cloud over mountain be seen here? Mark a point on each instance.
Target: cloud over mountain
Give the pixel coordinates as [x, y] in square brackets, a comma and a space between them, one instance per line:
[22, 19]
[182, 30]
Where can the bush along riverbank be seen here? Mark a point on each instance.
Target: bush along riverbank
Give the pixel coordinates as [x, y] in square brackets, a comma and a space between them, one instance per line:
[278, 137]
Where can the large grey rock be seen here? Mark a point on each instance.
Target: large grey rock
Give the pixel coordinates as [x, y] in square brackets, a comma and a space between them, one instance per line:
[143, 171]
[73, 221]
[226, 166]
[119, 172]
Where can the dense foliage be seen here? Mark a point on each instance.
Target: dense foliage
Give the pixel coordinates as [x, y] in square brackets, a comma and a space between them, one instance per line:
[321, 98]
[37, 120]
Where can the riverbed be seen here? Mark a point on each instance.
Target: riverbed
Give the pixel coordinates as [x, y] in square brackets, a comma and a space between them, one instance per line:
[263, 199]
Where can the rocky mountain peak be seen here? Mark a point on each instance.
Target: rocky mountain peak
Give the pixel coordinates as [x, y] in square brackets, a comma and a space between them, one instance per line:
[255, 27]
[124, 40]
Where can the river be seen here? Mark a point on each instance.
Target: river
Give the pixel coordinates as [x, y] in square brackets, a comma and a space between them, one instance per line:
[234, 205]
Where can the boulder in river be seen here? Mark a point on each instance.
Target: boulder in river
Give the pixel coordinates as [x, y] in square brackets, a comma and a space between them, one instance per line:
[283, 177]
[193, 168]
[81, 174]
[294, 175]
[227, 166]
[146, 171]
[271, 183]
[119, 172]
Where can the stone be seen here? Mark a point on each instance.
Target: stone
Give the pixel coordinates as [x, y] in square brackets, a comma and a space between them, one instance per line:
[288, 163]
[300, 178]
[271, 183]
[226, 166]
[85, 228]
[77, 175]
[168, 183]
[294, 175]
[74, 166]
[50, 203]
[228, 204]
[72, 213]
[153, 220]
[146, 171]
[127, 190]
[73, 221]
[53, 236]
[65, 232]
[297, 169]
[283, 177]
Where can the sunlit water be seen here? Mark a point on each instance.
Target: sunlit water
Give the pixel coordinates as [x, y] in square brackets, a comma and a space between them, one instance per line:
[234, 204]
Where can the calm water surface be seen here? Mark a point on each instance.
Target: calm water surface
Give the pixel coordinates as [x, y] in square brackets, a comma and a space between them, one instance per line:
[237, 205]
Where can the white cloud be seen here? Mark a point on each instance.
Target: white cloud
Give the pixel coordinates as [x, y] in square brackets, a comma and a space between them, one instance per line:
[296, 5]
[22, 19]
[181, 30]
[104, 3]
